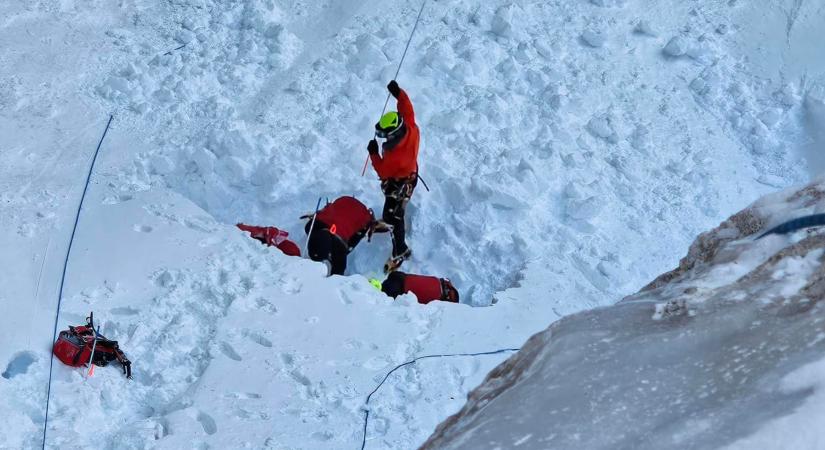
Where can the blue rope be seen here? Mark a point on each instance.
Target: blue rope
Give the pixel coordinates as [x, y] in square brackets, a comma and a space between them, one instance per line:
[815, 220]
[367, 410]
[63, 277]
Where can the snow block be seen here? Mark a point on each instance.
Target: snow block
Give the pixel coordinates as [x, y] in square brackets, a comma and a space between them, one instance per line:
[602, 127]
[644, 27]
[676, 47]
[594, 38]
[502, 24]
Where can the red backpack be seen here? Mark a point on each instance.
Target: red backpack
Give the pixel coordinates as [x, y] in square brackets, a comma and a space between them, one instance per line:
[80, 345]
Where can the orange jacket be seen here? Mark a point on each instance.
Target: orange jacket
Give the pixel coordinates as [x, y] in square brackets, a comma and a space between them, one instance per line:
[402, 160]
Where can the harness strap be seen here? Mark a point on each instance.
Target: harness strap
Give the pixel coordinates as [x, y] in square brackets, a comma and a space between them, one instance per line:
[125, 363]
[423, 182]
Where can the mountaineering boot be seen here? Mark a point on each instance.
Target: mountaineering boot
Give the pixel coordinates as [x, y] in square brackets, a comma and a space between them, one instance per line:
[381, 227]
[395, 262]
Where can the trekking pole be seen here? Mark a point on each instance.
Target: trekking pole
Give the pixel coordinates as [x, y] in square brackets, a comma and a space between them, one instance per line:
[311, 226]
[92, 356]
[94, 343]
[397, 71]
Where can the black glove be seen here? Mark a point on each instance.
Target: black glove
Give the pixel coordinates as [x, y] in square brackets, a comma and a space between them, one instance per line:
[394, 89]
[372, 147]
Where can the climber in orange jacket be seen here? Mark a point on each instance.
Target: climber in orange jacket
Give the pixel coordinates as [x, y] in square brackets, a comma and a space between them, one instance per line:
[397, 167]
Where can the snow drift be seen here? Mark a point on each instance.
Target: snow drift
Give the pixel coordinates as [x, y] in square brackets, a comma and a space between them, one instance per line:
[727, 350]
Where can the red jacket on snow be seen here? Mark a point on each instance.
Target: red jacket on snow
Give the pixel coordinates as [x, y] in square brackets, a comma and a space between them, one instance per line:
[347, 216]
[425, 288]
[272, 237]
[402, 161]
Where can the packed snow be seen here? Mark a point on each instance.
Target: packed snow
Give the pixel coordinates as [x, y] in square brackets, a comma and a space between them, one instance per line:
[570, 159]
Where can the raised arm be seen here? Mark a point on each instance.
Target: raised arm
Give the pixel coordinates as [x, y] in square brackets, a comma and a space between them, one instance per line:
[405, 107]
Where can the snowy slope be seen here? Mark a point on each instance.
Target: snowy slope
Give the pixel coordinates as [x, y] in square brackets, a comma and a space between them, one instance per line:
[538, 146]
[570, 158]
[726, 351]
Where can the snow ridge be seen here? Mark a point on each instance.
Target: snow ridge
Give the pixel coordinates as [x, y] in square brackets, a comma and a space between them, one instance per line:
[737, 327]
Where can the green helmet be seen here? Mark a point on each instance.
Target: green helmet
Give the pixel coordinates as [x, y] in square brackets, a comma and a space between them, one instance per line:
[389, 124]
[376, 283]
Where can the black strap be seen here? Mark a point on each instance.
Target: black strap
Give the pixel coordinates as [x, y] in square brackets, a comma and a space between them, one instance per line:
[124, 362]
[423, 182]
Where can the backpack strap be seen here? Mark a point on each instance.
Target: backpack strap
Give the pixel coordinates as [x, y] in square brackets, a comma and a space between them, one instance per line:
[113, 346]
[124, 362]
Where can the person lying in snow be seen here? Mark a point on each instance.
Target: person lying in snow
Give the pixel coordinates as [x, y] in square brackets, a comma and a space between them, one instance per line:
[338, 228]
[425, 288]
[397, 167]
[272, 237]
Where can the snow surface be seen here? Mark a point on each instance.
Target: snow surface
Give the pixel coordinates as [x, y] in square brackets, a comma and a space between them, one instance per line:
[564, 176]
[726, 351]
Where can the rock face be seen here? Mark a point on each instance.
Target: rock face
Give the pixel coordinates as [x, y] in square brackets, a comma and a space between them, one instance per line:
[699, 358]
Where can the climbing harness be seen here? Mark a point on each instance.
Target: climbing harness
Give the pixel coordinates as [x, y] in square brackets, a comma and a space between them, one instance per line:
[422, 182]
[400, 189]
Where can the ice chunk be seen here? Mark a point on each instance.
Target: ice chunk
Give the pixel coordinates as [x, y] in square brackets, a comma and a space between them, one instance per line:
[602, 127]
[644, 27]
[676, 47]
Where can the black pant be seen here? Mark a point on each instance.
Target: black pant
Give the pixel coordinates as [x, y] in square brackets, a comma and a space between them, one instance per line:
[323, 246]
[396, 195]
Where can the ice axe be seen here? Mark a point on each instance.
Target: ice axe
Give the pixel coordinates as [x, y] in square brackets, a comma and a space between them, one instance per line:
[311, 226]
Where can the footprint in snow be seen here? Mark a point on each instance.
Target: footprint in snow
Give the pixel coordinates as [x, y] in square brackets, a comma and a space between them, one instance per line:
[376, 363]
[258, 339]
[124, 311]
[115, 199]
[300, 378]
[322, 436]
[19, 364]
[243, 395]
[291, 285]
[353, 344]
[266, 306]
[142, 228]
[344, 298]
[230, 352]
[207, 422]
[379, 427]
